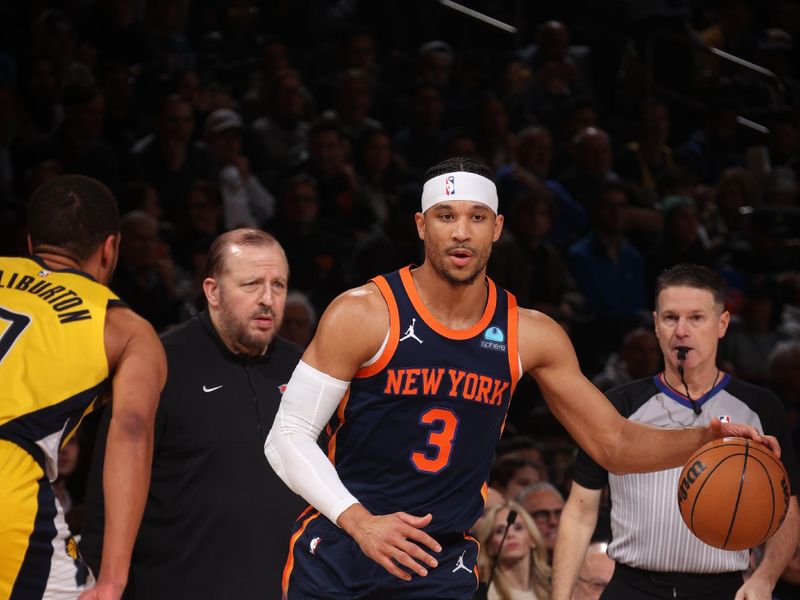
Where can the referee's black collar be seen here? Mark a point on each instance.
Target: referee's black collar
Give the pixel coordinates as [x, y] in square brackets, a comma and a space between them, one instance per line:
[208, 325]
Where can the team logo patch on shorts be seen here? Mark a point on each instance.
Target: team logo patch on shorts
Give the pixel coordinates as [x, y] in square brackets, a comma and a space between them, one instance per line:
[312, 547]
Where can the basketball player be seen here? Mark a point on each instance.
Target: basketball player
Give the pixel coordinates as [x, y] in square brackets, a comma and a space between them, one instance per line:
[656, 555]
[65, 342]
[416, 421]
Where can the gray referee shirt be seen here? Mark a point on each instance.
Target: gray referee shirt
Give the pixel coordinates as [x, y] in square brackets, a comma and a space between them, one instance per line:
[648, 532]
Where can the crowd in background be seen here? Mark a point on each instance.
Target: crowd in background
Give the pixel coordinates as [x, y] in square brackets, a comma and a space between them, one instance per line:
[621, 145]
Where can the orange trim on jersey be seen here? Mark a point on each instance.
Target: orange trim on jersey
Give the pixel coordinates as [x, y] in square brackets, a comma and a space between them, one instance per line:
[340, 416]
[513, 341]
[475, 568]
[394, 331]
[287, 569]
[443, 330]
[485, 493]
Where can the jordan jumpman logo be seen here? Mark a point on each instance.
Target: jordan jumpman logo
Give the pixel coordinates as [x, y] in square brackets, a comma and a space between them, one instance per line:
[410, 332]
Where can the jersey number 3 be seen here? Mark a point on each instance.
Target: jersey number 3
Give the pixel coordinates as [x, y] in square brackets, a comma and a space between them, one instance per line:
[16, 324]
[440, 440]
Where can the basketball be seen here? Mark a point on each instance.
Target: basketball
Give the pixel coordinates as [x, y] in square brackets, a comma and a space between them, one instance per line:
[733, 493]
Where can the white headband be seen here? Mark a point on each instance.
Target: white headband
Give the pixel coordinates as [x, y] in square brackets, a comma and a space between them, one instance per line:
[459, 185]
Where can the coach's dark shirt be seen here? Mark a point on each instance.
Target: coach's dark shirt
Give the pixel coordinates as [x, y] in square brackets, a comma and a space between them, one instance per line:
[217, 521]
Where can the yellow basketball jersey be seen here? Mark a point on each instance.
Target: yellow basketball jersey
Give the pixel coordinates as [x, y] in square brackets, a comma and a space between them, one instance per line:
[53, 363]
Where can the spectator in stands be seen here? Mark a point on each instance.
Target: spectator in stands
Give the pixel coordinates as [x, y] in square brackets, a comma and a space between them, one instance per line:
[544, 503]
[725, 217]
[312, 248]
[353, 99]
[202, 221]
[681, 241]
[337, 184]
[522, 571]
[595, 573]
[752, 333]
[496, 144]
[380, 174]
[522, 446]
[41, 85]
[245, 202]
[592, 159]
[472, 77]
[638, 357]
[273, 59]
[299, 319]
[534, 156]
[124, 122]
[714, 146]
[511, 474]
[608, 269]
[784, 374]
[169, 159]
[77, 144]
[435, 63]
[421, 141]
[281, 134]
[524, 263]
[145, 275]
[165, 21]
[646, 158]
[139, 195]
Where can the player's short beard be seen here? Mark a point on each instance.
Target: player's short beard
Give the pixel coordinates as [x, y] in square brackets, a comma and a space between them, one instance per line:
[437, 261]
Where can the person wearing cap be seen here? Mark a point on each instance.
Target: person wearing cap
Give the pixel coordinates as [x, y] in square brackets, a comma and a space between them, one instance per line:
[246, 203]
[413, 372]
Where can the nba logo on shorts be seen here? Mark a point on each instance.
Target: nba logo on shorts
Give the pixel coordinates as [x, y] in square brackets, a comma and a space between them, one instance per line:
[312, 547]
[450, 185]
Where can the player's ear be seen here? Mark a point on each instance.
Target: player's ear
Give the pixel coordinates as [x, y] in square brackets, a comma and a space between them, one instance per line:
[498, 227]
[211, 290]
[110, 251]
[419, 219]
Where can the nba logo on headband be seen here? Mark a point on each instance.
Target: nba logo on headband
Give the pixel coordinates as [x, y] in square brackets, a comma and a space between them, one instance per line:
[450, 185]
[471, 187]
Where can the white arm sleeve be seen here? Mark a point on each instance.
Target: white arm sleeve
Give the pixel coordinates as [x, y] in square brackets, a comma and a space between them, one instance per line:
[310, 399]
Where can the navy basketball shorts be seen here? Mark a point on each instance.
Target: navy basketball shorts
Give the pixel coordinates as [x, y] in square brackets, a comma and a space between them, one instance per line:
[326, 563]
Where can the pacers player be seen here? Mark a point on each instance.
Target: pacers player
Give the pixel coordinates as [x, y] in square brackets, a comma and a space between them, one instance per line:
[417, 368]
[65, 343]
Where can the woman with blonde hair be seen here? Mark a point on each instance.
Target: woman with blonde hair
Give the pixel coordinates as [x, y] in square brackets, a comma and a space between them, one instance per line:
[522, 572]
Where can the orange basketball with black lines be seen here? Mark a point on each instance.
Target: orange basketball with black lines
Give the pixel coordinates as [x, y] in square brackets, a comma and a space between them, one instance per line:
[733, 493]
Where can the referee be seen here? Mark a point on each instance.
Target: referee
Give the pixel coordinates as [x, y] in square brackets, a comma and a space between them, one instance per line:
[655, 553]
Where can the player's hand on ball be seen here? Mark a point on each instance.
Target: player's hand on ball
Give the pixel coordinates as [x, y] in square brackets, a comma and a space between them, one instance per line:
[389, 540]
[717, 429]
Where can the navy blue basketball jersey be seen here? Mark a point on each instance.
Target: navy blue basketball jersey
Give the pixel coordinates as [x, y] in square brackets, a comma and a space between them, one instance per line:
[417, 428]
